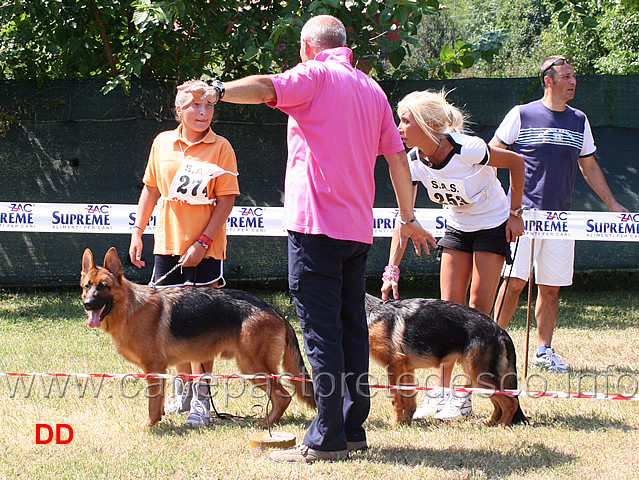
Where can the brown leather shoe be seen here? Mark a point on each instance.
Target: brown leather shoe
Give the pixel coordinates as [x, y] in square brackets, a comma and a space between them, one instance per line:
[357, 446]
[302, 453]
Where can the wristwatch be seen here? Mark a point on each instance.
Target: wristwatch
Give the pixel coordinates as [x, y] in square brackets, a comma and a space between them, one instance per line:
[219, 88]
[518, 212]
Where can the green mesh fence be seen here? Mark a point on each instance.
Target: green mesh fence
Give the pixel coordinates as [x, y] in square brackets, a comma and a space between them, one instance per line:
[65, 142]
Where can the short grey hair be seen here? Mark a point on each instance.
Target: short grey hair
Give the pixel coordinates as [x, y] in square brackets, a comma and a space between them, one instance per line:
[324, 32]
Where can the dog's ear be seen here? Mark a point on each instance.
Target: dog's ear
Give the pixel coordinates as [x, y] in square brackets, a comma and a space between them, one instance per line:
[112, 262]
[87, 262]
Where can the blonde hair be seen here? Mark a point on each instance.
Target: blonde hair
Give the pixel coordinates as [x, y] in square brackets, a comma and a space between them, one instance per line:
[430, 106]
[181, 96]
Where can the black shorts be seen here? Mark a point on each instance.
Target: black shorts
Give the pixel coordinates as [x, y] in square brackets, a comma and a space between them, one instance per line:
[207, 272]
[490, 240]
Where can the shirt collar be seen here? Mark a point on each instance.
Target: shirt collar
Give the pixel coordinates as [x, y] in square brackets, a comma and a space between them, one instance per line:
[210, 136]
[339, 54]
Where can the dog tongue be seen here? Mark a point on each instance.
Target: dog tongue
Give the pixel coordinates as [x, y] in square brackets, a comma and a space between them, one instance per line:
[94, 318]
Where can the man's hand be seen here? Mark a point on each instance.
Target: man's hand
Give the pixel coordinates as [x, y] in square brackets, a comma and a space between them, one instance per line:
[420, 237]
[617, 207]
[199, 94]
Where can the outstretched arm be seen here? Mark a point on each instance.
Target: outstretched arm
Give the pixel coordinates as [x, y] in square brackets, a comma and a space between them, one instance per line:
[403, 185]
[249, 90]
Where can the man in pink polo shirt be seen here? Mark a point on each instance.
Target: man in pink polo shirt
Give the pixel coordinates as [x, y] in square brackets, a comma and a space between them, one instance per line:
[339, 122]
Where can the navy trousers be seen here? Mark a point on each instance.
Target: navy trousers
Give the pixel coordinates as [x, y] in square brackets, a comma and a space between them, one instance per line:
[327, 281]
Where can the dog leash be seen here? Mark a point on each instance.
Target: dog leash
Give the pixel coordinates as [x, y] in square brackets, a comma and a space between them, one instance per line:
[163, 277]
[507, 280]
[218, 414]
[510, 271]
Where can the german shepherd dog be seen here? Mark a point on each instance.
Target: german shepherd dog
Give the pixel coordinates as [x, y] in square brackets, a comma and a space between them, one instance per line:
[155, 328]
[425, 333]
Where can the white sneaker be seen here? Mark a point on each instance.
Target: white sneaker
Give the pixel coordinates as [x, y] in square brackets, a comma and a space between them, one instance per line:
[456, 406]
[199, 415]
[551, 361]
[431, 405]
[180, 400]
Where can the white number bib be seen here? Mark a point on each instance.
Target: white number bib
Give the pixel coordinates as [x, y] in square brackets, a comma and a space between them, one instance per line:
[447, 191]
[191, 180]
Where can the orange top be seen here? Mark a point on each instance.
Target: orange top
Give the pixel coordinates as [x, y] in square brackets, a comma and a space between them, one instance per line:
[179, 224]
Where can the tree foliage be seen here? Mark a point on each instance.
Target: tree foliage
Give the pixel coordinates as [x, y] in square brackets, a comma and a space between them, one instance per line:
[516, 25]
[601, 36]
[122, 40]
[444, 50]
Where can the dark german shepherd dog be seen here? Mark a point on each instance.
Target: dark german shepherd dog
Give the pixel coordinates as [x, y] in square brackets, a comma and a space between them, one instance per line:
[155, 328]
[424, 333]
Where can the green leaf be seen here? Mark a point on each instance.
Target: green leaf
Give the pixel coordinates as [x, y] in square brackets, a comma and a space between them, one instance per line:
[314, 5]
[589, 22]
[251, 52]
[140, 17]
[429, 3]
[563, 18]
[386, 16]
[396, 57]
[265, 61]
[459, 44]
[467, 61]
[446, 54]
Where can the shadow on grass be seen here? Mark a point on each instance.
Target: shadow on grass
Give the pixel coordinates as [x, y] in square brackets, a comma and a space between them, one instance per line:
[585, 422]
[490, 462]
[174, 426]
[27, 306]
[587, 310]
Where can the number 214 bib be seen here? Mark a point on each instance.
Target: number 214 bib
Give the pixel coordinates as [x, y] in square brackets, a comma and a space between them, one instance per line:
[191, 180]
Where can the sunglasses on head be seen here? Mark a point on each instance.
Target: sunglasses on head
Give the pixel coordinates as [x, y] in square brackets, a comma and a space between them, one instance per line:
[557, 63]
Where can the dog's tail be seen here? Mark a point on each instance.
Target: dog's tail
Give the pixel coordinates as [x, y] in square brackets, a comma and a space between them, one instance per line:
[294, 364]
[511, 380]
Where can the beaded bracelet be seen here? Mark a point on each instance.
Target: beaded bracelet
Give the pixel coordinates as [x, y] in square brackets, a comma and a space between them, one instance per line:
[204, 238]
[391, 273]
[138, 227]
[204, 244]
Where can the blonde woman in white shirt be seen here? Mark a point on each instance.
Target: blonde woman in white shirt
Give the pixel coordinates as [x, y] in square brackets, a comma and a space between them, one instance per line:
[458, 171]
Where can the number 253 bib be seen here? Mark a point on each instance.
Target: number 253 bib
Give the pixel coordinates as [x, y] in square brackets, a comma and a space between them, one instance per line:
[447, 191]
[191, 180]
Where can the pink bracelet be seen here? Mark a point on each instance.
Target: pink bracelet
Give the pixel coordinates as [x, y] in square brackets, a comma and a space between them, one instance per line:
[206, 239]
[391, 273]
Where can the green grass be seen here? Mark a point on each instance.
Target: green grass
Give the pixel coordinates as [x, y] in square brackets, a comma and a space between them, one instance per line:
[46, 331]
